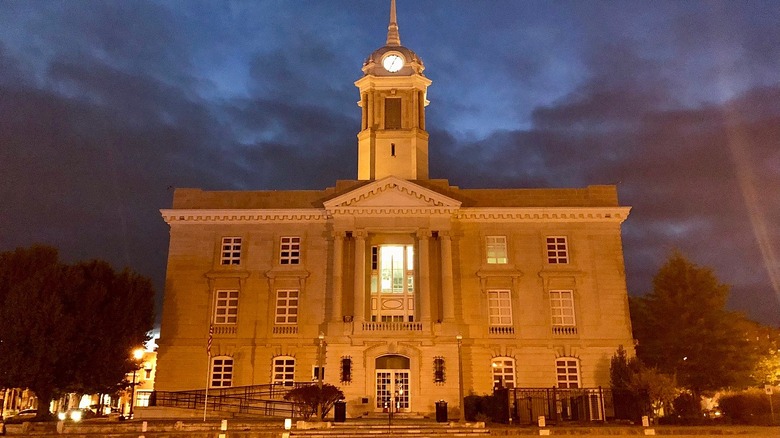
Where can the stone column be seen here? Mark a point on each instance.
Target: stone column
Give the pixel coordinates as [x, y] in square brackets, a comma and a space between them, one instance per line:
[447, 288]
[338, 263]
[360, 276]
[423, 238]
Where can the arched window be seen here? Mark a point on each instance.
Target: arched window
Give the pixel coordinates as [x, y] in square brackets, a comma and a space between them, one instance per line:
[503, 372]
[567, 370]
[284, 370]
[221, 372]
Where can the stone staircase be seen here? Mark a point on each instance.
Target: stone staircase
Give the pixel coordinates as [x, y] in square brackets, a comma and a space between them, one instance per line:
[405, 429]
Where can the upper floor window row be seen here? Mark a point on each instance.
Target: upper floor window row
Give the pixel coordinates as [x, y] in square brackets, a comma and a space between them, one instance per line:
[289, 251]
[556, 250]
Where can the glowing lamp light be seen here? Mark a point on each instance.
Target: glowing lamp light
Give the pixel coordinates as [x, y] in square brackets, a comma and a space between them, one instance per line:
[75, 416]
[62, 416]
[138, 353]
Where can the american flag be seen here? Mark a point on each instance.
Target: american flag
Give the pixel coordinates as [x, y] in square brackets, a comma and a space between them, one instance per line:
[211, 337]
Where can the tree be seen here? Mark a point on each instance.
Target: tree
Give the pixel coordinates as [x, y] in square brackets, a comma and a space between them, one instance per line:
[685, 331]
[649, 390]
[311, 396]
[68, 328]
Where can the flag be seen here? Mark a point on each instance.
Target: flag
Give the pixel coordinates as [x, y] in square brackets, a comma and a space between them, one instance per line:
[211, 337]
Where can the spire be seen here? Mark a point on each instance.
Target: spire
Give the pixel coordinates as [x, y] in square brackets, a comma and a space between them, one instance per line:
[393, 39]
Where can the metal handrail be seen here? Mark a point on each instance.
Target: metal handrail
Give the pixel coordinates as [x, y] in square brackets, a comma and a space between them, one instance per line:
[265, 400]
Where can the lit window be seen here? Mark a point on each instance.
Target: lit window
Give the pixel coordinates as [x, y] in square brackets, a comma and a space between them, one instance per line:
[284, 370]
[226, 307]
[568, 372]
[315, 371]
[346, 370]
[438, 370]
[503, 372]
[499, 308]
[557, 250]
[221, 372]
[290, 251]
[286, 307]
[562, 308]
[231, 251]
[496, 250]
[142, 398]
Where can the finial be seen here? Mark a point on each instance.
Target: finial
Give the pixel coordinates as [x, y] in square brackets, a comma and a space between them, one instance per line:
[393, 39]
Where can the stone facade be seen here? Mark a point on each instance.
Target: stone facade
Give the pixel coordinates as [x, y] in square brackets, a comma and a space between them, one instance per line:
[384, 273]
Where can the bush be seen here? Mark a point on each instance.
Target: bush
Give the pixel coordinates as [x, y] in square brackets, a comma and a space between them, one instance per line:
[491, 407]
[310, 396]
[748, 407]
[687, 407]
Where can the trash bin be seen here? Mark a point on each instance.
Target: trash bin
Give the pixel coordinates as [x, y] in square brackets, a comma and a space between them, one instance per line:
[340, 411]
[441, 411]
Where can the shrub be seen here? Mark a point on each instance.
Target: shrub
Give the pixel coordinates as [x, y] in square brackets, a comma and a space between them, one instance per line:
[310, 396]
[747, 407]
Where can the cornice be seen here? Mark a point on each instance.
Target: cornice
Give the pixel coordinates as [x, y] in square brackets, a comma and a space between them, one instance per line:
[435, 208]
[544, 214]
[221, 216]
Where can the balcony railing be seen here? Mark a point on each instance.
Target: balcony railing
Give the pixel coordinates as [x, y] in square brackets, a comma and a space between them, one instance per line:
[285, 330]
[564, 330]
[392, 326]
[225, 329]
[502, 330]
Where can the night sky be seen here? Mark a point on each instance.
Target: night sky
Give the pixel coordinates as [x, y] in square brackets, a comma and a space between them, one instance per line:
[105, 106]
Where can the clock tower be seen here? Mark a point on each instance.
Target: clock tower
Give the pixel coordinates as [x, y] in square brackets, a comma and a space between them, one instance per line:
[392, 139]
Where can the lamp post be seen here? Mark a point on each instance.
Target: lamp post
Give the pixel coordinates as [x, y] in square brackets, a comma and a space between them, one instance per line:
[138, 354]
[321, 338]
[462, 418]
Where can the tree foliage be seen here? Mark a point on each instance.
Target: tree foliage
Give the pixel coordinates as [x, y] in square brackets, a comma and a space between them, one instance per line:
[311, 396]
[651, 389]
[68, 328]
[685, 331]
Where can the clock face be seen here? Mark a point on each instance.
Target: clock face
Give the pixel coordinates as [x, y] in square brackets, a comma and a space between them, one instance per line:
[393, 63]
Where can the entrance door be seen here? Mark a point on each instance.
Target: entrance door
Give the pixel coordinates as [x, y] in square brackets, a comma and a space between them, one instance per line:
[392, 389]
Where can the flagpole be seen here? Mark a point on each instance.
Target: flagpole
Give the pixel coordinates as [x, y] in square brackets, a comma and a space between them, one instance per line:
[208, 370]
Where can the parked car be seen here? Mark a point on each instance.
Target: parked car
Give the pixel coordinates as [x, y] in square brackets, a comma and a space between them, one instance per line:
[21, 416]
[76, 415]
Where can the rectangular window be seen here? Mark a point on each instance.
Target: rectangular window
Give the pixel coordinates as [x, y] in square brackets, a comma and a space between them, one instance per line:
[496, 250]
[286, 307]
[557, 250]
[393, 113]
[438, 370]
[562, 307]
[284, 371]
[221, 372]
[567, 371]
[499, 308]
[290, 251]
[503, 372]
[226, 307]
[315, 371]
[346, 370]
[142, 398]
[231, 251]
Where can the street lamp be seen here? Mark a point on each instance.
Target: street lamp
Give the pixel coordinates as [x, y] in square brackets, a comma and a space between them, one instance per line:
[462, 418]
[138, 354]
[321, 338]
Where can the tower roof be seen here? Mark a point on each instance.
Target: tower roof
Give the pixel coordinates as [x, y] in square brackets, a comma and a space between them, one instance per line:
[413, 63]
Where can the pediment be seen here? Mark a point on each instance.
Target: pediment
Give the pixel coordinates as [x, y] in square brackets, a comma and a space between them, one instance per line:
[392, 193]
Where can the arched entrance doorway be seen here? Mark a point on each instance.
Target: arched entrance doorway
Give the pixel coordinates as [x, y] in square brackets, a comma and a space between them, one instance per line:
[392, 383]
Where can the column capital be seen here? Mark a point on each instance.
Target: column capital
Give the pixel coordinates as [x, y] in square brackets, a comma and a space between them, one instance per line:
[338, 234]
[423, 233]
[360, 234]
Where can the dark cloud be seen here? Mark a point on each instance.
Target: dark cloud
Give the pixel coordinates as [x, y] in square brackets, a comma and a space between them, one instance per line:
[105, 106]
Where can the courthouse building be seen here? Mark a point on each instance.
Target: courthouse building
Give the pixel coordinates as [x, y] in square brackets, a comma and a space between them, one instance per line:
[395, 274]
